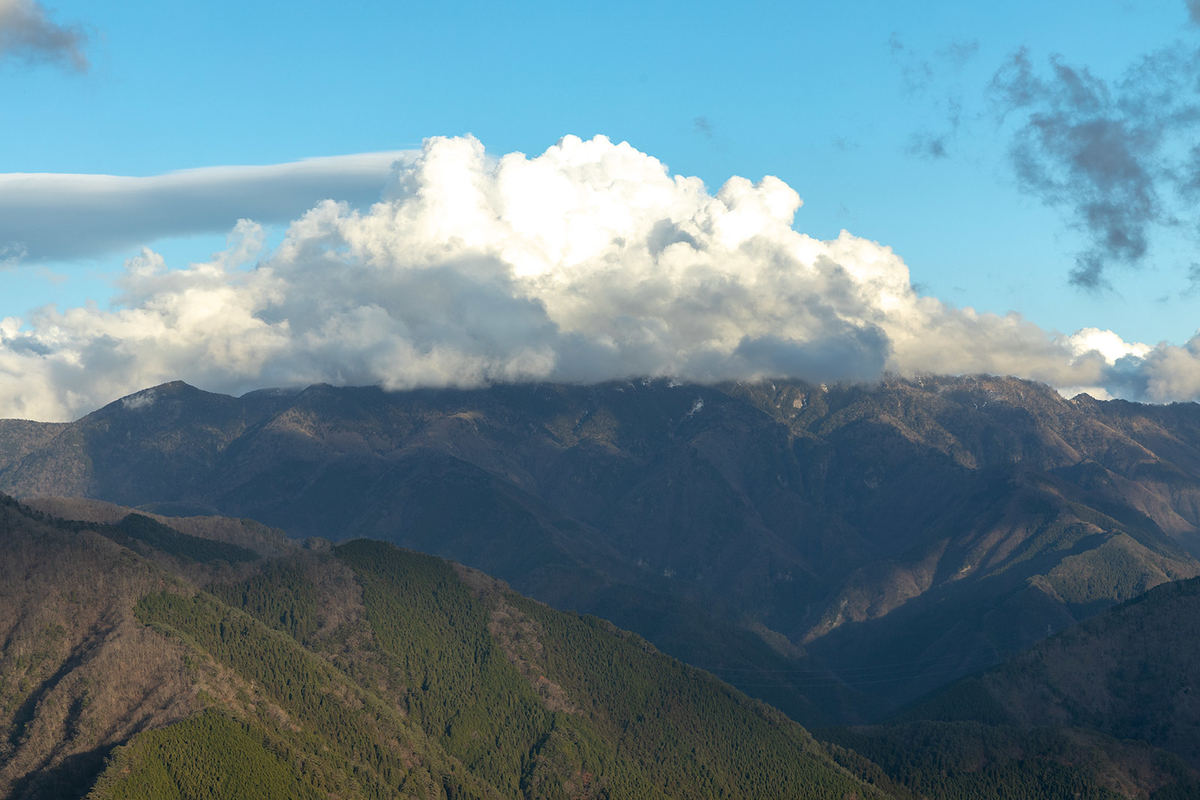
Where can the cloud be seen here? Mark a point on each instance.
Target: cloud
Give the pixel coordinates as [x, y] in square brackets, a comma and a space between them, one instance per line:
[1193, 7]
[1193, 280]
[1108, 344]
[960, 52]
[585, 263]
[928, 145]
[844, 144]
[28, 36]
[47, 217]
[143, 399]
[1104, 151]
[916, 73]
[922, 78]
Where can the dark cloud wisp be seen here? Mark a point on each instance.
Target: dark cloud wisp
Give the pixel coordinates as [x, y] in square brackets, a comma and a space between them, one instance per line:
[1104, 152]
[927, 145]
[29, 36]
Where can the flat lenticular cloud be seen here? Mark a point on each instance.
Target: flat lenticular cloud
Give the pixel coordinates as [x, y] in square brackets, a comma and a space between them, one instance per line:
[48, 217]
[28, 36]
[586, 263]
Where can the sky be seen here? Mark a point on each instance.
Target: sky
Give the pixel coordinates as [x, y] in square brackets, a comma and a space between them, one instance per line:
[460, 193]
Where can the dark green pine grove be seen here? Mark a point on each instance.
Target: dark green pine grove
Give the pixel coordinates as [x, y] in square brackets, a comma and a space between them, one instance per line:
[207, 756]
[684, 729]
[343, 739]
[619, 721]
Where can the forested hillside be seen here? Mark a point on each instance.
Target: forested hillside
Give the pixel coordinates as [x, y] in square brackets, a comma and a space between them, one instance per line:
[1115, 695]
[1132, 672]
[973, 761]
[144, 661]
[780, 535]
[140, 661]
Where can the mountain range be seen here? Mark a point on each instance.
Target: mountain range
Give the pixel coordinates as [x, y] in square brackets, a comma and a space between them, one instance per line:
[837, 551]
[147, 657]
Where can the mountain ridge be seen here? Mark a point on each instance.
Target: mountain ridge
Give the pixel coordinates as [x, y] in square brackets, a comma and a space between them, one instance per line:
[363, 670]
[817, 527]
[357, 671]
[1129, 672]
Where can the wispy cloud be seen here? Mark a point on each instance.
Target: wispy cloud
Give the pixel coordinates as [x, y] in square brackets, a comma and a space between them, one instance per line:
[928, 145]
[1105, 152]
[916, 73]
[588, 262]
[1193, 278]
[925, 78]
[703, 126]
[46, 217]
[1115, 156]
[960, 52]
[29, 36]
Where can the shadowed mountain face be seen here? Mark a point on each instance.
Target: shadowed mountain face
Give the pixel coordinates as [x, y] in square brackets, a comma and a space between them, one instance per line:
[1132, 672]
[1117, 691]
[835, 551]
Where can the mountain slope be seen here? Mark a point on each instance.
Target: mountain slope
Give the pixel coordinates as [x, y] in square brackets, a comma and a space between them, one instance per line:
[1131, 672]
[1113, 696]
[358, 671]
[973, 761]
[781, 535]
[19, 437]
[78, 674]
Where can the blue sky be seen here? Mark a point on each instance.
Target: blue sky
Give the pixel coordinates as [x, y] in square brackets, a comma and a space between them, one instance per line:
[885, 117]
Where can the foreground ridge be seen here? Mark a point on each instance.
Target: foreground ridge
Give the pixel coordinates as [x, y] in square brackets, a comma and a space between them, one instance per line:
[360, 670]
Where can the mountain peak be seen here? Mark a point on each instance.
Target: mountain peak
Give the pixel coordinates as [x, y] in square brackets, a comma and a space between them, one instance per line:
[148, 398]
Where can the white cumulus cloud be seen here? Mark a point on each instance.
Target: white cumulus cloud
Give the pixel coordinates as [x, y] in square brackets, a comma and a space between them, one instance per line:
[588, 262]
[1107, 343]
